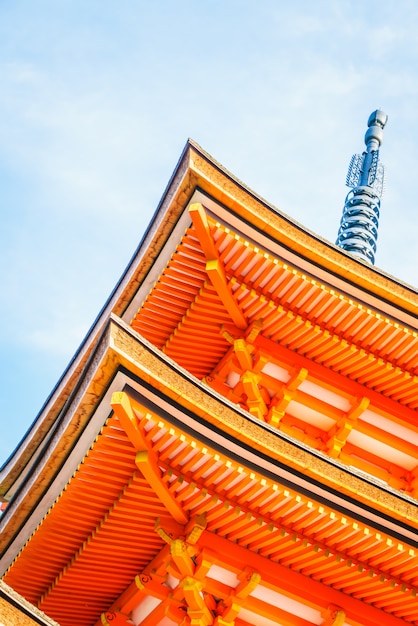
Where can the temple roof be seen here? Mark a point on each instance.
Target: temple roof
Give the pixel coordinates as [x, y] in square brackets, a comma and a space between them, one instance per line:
[248, 390]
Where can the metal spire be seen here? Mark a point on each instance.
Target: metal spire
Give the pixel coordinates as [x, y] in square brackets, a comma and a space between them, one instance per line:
[360, 220]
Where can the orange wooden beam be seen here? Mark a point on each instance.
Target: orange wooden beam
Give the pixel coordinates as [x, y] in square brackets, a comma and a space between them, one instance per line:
[214, 266]
[233, 557]
[145, 459]
[333, 380]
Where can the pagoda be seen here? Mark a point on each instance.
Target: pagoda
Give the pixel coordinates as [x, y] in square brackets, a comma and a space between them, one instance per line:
[235, 443]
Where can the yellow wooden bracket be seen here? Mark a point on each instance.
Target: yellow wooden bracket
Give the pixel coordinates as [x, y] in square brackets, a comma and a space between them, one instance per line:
[249, 581]
[114, 619]
[195, 527]
[177, 613]
[337, 441]
[152, 586]
[203, 565]
[230, 333]
[298, 377]
[220, 621]
[164, 535]
[280, 402]
[232, 605]
[274, 416]
[243, 352]
[255, 402]
[168, 529]
[358, 408]
[339, 433]
[278, 407]
[259, 361]
[335, 616]
[232, 608]
[197, 610]
[253, 330]
[182, 558]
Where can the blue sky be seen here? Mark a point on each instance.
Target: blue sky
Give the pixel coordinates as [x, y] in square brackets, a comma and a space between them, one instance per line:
[97, 101]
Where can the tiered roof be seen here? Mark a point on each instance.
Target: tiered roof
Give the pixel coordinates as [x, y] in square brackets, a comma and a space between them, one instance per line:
[235, 441]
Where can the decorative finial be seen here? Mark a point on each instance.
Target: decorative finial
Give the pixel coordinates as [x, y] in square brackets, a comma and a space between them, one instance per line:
[360, 220]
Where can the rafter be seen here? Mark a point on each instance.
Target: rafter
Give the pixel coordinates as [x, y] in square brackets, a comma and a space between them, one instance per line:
[275, 576]
[193, 595]
[145, 459]
[214, 266]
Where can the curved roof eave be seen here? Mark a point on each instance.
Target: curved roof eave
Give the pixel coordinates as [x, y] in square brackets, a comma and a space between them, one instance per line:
[196, 169]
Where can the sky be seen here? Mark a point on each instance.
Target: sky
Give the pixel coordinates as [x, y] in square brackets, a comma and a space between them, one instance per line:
[97, 100]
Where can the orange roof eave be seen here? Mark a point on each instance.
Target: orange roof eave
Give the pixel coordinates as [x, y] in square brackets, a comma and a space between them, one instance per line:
[107, 493]
[121, 347]
[198, 170]
[218, 182]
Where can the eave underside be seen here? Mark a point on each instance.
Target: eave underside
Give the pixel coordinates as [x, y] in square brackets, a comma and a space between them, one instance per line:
[324, 385]
[292, 350]
[100, 549]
